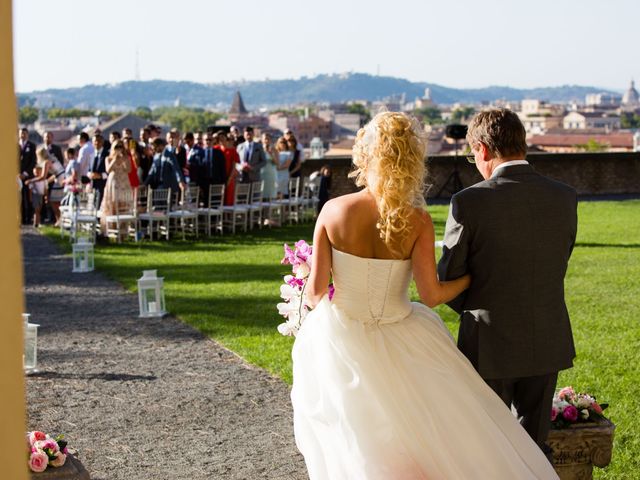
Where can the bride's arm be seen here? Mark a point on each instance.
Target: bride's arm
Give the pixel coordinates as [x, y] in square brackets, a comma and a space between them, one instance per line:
[318, 281]
[431, 290]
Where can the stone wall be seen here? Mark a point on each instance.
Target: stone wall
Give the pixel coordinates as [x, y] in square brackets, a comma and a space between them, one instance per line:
[589, 173]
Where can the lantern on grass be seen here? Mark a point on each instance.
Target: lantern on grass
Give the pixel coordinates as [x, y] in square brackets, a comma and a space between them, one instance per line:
[151, 294]
[82, 256]
[30, 355]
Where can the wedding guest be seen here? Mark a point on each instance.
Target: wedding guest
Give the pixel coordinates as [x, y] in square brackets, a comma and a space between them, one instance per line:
[53, 149]
[144, 135]
[118, 166]
[214, 163]
[71, 171]
[27, 151]
[235, 136]
[56, 187]
[288, 135]
[85, 155]
[195, 163]
[284, 161]
[252, 158]
[325, 186]
[38, 183]
[269, 171]
[296, 165]
[165, 171]
[199, 139]
[132, 153]
[98, 170]
[227, 146]
[127, 134]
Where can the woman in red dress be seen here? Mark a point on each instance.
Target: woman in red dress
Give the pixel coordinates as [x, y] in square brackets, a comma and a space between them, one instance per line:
[231, 158]
[132, 150]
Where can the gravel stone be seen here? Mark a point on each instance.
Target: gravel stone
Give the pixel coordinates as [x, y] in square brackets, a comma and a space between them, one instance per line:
[146, 398]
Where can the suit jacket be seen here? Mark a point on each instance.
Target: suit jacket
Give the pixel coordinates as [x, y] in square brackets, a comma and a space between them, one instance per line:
[214, 167]
[165, 171]
[514, 234]
[195, 160]
[98, 165]
[27, 158]
[256, 160]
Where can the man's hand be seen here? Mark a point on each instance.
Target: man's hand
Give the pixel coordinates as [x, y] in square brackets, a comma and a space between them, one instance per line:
[95, 176]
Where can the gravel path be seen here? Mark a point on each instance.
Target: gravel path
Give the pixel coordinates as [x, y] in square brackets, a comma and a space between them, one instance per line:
[146, 398]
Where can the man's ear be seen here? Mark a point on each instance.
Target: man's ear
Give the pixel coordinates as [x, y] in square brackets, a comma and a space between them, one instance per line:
[485, 154]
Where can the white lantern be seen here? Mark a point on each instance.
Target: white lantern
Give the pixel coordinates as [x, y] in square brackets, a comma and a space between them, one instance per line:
[30, 355]
[151, 294]
[82, 256]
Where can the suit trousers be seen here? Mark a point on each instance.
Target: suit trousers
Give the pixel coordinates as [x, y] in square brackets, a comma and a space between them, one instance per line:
[532, 398]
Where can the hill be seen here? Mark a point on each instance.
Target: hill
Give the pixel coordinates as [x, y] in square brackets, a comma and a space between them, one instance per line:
[268, 93]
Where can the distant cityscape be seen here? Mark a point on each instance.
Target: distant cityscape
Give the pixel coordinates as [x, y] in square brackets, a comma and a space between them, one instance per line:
[601, 121]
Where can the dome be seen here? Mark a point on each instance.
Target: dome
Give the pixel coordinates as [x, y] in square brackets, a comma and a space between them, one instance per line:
[631, 96]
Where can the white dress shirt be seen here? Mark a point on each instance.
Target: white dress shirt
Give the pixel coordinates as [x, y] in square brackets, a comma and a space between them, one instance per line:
[508, 164]
[85, 158]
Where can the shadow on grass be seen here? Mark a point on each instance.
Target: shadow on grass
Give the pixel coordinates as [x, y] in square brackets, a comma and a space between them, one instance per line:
[607, 245]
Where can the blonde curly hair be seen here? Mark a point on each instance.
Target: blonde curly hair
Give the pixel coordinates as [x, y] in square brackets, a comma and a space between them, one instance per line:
[389, 159]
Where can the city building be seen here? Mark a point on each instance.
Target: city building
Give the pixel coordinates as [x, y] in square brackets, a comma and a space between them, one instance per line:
[589, 120]
[621, 141]
[631, 98]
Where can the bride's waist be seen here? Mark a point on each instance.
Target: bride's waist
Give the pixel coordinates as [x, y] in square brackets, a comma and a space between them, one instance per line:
[379, 311]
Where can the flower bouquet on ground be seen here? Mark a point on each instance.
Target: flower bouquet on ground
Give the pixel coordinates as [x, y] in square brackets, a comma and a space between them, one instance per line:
[44, 451]
[295, 307]
[570, 407]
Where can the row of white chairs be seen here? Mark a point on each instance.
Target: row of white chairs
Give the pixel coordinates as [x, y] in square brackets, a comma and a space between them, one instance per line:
[147, 212]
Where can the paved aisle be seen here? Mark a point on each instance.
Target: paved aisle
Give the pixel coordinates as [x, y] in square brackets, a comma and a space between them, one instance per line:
[146, 399]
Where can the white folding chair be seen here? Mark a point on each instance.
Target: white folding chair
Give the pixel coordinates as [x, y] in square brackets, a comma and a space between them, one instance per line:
[255, 205]
[157, 214]
[238, 213]
[212, 210]
[184, 214]
[123, 221]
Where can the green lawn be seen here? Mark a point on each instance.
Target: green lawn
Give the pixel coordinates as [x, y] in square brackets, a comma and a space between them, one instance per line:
[228, 289]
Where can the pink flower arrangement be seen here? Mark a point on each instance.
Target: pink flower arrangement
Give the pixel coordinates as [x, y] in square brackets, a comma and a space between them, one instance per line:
[295, 307]
[570, 407]
[44, 451]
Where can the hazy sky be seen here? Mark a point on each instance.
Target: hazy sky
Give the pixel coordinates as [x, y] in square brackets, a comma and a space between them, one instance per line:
[456, 43]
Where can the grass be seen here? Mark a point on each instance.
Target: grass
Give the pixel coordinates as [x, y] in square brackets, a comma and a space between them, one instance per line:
[227, 288]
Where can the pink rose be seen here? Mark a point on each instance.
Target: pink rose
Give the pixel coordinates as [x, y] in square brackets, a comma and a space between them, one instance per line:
[45, 445]
[36, 436]
[59, 459]
[554, 414]
[570, 413]
[566, 393]
[38, 461]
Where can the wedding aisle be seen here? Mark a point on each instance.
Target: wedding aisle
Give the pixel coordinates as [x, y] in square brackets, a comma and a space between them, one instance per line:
[146, 398]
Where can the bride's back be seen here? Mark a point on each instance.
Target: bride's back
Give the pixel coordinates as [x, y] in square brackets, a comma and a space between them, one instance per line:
[350, 222]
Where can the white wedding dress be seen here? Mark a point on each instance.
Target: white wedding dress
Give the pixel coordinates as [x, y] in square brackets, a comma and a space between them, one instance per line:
[380, 390]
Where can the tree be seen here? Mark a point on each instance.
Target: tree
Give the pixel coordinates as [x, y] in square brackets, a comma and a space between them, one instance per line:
[593, 145]
[186, 119]
[143, 112]
[630, 120]
[429, 115]
[460, 114]
[68, 113]
[361, 110]
[28, 114]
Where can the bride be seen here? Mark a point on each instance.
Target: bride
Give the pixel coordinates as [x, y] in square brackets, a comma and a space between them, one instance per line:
[380, 390]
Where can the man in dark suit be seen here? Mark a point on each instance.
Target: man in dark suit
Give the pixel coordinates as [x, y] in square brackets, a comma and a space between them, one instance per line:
[252, 158]
[514, 233]
[27, 152]
[98, 169]
[165, 171]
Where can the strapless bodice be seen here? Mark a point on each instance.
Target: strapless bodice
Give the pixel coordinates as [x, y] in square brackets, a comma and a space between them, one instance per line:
[371, 290]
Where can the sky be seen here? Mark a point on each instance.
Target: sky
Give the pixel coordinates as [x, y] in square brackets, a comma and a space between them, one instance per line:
[455, 43]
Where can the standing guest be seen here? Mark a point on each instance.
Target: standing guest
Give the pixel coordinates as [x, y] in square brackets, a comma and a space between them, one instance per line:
[284, 160]
[269, 171]
[235, 136]
[228, 148]
[27, 151]
[52, 148]
[85, 156]
[153, 133]
[195, 163]
[288, 135]
[295, 166]
[98, 170]
[132, 153]
[252, 158]
[213, 169]
[118, 168]
[325, 186]
[165, 171]
[56, 186]
[199, 139]
[38, 183]
[114, 137]
[71, 171]
[127, 134]
[144, 134]
[173, 139]
[107, 143]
